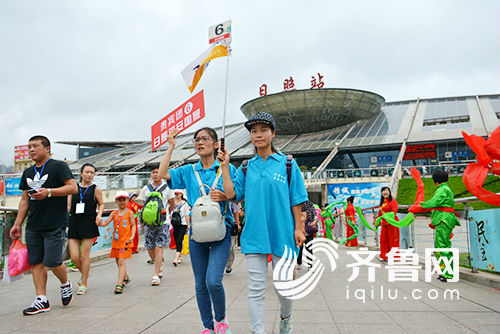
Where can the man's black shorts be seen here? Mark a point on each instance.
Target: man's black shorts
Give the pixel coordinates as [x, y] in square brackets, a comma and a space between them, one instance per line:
[46, 246]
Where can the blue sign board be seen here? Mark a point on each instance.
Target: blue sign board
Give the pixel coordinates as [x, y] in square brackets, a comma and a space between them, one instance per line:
[105, 238]
[366, 194]
[484, 230]
[12, 186]
[384, 158]
[464, 154]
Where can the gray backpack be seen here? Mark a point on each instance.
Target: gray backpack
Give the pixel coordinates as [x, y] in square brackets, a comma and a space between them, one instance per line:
[207, 222]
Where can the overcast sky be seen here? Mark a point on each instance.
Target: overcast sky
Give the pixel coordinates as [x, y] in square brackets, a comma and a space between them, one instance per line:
[108, 70]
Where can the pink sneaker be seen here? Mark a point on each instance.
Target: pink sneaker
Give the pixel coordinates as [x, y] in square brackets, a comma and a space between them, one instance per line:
[208, 331]
[222, 327]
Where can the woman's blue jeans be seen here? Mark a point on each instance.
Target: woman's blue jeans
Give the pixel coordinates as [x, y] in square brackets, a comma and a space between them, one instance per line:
[208, 260]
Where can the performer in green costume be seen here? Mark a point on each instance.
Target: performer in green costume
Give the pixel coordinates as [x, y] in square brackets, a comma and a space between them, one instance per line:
[443, 219]
[328, 228]
[329, 220]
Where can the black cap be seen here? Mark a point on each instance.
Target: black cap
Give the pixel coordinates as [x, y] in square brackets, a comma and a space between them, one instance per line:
[261, 118]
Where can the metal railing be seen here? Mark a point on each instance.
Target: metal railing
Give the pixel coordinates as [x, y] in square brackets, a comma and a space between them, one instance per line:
[106, 181]
[384, 171]
[132, 180]
[7, 219]
[417, 236]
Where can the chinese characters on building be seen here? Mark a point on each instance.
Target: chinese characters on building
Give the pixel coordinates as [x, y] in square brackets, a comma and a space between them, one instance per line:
[263, 90]
[289, 84]
[317, 84]
[21, 152]
[420, 151]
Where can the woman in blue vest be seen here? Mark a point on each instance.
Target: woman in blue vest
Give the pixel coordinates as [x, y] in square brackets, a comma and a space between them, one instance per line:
[273, 214]
[208, 259]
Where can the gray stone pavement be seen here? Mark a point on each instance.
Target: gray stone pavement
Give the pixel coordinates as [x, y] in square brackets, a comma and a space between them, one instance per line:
[330, 308]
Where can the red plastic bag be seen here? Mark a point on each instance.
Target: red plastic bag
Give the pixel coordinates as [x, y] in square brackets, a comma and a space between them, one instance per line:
[18, 258]
[172, 239]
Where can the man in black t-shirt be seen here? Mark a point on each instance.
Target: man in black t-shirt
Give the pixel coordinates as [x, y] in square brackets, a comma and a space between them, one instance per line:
[45, 187]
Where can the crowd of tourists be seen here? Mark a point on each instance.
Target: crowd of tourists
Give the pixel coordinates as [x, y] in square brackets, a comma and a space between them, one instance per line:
[260, 209]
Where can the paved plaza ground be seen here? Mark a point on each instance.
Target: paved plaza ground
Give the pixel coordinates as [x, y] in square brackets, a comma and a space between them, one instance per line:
[332, 306]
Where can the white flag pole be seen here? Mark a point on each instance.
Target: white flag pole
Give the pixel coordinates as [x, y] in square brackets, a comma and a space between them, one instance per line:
[222, 140]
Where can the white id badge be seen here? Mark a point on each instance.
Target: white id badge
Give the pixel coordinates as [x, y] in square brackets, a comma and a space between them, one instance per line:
[80, 207]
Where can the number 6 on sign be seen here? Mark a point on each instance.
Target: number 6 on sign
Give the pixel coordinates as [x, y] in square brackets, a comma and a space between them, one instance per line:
[220, 32]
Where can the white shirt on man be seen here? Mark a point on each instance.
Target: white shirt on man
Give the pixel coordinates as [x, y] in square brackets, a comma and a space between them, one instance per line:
[167, 194]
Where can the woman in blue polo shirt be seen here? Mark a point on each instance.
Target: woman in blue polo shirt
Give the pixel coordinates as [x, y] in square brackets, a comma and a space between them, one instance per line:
[208, 259]
[273, 214]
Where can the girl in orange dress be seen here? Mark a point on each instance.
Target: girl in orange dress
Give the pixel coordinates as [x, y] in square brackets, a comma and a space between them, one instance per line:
[389, 235]
[123, 235]
[350, 215]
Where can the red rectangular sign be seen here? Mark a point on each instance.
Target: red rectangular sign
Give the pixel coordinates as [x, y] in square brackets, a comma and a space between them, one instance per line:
[219, 38]
[21, 152]
[181, 118]
[2, 188]
[420, 151]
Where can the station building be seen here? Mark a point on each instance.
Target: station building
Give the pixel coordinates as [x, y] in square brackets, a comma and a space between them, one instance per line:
[336, 133]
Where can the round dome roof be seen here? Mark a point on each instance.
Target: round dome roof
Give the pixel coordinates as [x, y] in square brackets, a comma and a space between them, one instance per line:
[311, 110]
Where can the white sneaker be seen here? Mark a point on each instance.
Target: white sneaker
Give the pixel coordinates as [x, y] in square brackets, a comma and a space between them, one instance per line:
[155, 281]
[286, 325]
